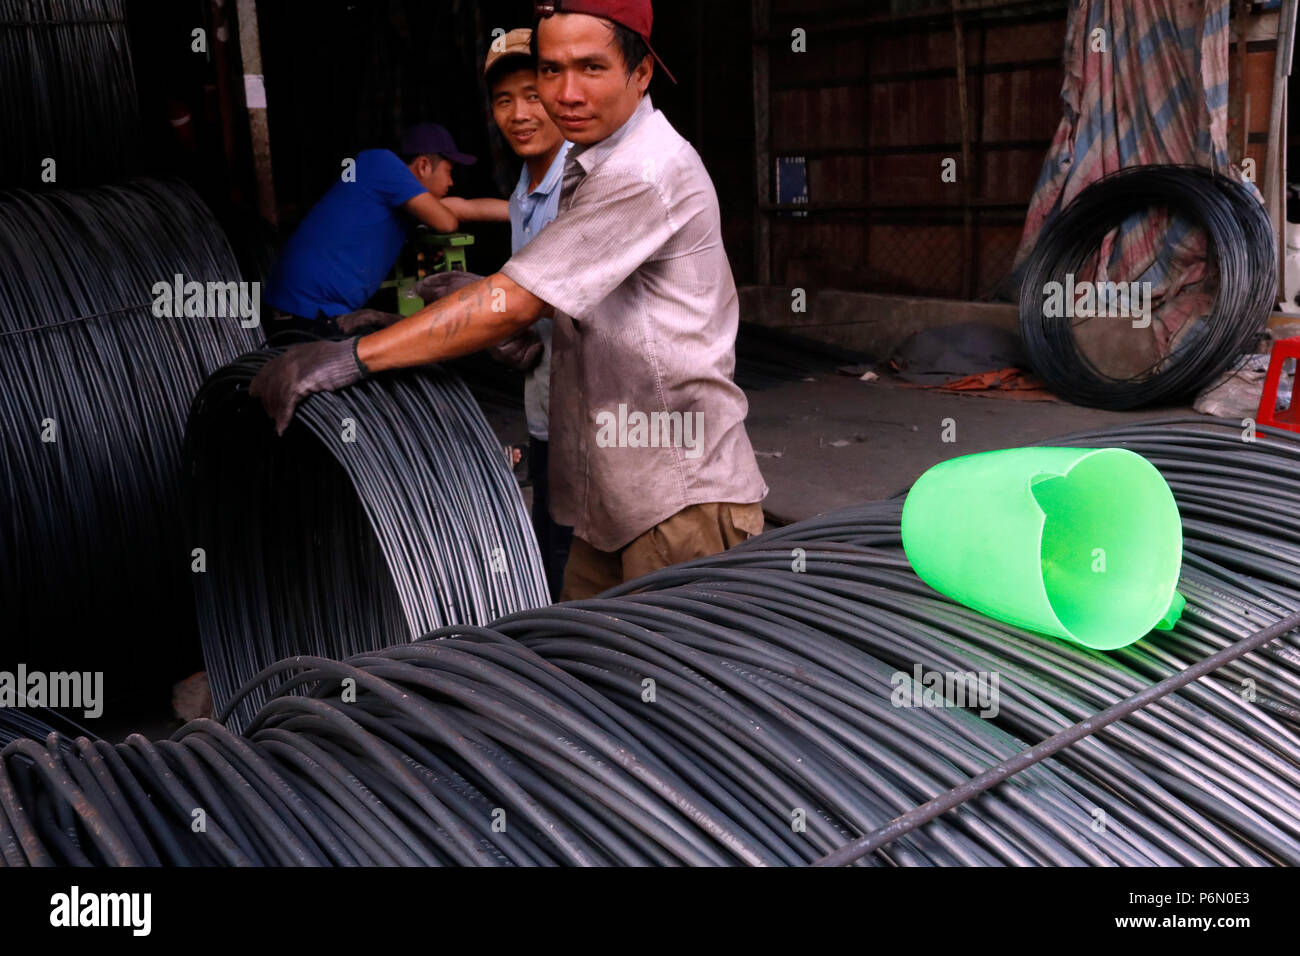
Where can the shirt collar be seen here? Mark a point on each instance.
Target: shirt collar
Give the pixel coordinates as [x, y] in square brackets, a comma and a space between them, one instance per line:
[549, 181]
[589, 157]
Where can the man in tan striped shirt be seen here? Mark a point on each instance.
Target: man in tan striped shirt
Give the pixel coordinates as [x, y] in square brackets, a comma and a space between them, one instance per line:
[650, 461]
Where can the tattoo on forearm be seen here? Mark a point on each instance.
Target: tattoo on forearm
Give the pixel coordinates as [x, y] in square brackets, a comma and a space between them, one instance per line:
[445, 324]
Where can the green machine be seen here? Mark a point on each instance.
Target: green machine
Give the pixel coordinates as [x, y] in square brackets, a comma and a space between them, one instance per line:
[427, 246]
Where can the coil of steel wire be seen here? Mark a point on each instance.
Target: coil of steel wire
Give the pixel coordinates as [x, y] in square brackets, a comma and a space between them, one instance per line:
[96, 388]
[1240, 242]
[385, 511]
[742, 709]
[39, 722]
[69, 115]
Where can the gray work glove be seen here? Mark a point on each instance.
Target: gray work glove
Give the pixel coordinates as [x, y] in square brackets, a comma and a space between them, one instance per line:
[440, 284]
[523, 350]
[303, 370]
[371, 319]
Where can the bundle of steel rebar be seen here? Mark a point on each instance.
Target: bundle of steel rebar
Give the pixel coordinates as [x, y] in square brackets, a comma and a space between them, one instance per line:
[763, 706]
[69, 115]
[97, 381]
[384, 511]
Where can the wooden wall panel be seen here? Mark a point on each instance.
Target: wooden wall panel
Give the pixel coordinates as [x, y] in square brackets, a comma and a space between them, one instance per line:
[875, 112]
[1022, 105]
[820, 253]
[997, 251]
[911, 177]
[1009, 175]
[915, 112]
[911, 50]
[839, 178]
[1259, 87]
[822, 118]
[1020, 42]
[812, 9]
[838, 59]
[875, 109]
[916, 259]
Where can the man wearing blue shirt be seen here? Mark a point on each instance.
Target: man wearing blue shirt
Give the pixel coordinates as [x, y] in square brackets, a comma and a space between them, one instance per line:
[342, 251]
[511, 75]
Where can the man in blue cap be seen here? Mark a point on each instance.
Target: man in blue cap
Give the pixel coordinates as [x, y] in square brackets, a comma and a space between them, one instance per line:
[341, 252]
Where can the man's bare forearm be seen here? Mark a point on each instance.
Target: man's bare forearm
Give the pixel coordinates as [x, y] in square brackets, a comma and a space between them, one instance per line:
[478, 210]
[476, 317]
[429, 210]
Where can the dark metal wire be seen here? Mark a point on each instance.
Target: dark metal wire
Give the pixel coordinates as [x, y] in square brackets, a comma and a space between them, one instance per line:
[770, 734]
[95, 393]
[69, 93]
[386, 510]
[1240, 241]
[21, 721]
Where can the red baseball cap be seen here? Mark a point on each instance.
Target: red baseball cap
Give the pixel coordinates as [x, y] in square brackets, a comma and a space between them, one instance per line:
[637, 15]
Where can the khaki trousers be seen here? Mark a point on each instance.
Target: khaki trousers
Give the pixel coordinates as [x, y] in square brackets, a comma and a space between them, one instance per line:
[694, 532]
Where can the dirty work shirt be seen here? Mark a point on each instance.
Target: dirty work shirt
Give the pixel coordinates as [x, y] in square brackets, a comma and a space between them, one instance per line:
[529, 214]
[339, 255]
[645, 324]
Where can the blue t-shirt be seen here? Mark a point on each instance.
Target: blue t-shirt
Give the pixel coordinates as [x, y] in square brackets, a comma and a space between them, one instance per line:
[339, 255]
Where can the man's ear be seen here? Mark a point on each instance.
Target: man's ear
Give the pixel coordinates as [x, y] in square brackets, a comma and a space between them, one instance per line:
[644, 71]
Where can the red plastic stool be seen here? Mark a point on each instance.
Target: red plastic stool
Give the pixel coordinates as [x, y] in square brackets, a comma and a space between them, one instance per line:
[1268, 414]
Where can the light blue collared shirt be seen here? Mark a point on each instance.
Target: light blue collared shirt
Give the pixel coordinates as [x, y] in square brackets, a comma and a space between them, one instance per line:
[531, 211]
[529, 214]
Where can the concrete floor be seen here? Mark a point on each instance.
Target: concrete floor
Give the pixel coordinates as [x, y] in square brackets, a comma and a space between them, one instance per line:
[833, 440]
[836, 441]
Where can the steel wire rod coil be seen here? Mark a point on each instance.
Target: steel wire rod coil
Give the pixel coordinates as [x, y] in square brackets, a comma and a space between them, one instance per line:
[1240, 241]
[744, 709]
[39, 722]
[69, 93]
[95, 392]
[385, 510]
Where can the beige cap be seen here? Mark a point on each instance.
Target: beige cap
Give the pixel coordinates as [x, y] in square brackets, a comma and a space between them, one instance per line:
[514, 43]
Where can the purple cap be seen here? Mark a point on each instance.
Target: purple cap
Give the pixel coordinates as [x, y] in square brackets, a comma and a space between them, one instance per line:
[431, 138]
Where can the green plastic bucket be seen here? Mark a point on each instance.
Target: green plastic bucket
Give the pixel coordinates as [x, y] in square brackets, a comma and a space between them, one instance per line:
[1080, 543]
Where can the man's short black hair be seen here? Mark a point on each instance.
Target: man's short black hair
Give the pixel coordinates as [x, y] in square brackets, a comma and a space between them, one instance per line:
[629, 43]
[507, 65]
[434, 158]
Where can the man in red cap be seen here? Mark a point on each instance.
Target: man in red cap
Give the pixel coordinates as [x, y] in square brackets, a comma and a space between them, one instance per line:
[650, 461]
